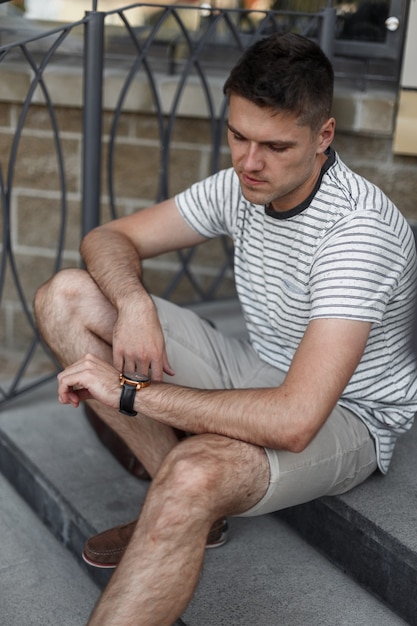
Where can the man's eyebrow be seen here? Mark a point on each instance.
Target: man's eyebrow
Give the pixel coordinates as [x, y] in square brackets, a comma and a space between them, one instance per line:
[273, 142]
[233, 130]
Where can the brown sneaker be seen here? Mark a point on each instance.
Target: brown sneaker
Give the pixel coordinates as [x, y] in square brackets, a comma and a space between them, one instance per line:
[106, 549]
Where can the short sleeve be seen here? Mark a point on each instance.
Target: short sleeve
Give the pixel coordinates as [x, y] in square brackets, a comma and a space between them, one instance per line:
[210, 206]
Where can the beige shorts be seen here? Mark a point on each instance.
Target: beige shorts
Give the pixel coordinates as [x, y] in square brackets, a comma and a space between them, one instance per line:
[341, 456]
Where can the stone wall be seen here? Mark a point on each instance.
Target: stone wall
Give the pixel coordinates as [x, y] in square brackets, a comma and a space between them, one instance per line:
[36, 204]
[36, 199]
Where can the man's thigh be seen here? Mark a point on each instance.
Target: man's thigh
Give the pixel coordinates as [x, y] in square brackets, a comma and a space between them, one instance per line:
[340, 457]
[204, 358]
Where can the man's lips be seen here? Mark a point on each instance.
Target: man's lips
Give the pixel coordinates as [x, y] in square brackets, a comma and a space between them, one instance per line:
[249, 180]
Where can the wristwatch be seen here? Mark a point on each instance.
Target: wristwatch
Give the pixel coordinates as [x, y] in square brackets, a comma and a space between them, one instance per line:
[131, 382]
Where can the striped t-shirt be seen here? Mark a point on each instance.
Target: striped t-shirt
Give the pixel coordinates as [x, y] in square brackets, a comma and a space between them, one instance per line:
[346, 252]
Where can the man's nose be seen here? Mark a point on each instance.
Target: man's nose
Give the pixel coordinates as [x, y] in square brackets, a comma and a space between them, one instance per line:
[253, 158]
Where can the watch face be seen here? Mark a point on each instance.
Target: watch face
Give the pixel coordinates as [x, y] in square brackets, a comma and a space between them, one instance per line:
[135, 377]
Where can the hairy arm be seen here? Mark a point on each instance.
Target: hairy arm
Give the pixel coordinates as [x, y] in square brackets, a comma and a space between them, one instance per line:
[113, 254]
[285, 417]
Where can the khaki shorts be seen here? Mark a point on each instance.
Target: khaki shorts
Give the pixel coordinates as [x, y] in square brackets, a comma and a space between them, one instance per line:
[341, 456]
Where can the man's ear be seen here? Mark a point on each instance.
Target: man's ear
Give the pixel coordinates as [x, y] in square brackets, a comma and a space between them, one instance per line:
[326, 135]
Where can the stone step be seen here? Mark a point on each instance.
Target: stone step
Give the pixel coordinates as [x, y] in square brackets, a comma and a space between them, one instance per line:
[371, 531]
[40, 581]
[265, 575]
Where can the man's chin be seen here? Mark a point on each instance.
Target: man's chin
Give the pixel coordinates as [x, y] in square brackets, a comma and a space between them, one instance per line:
[255, 197]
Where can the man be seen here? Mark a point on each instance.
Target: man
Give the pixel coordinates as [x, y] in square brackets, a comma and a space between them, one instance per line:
[312, 404]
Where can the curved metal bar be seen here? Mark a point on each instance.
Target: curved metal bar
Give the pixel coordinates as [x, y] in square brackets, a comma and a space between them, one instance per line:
[38, 80]
[61, 166]
[15, 388]
[230, 20]
[35, 82]
[141, 59]
[6, 233]
[49, 33]
[241, 29]
[186, 257]
[191, 62]
[195, 48]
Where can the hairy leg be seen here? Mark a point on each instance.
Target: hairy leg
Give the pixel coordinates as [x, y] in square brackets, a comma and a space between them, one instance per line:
[74, 318]
[203, 478]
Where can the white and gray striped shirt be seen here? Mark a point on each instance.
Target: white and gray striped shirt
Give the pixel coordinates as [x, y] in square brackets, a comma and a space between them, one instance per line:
[346, 252]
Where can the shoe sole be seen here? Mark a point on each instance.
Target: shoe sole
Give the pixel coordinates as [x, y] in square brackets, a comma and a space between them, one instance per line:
[220, 542]
[98, 565]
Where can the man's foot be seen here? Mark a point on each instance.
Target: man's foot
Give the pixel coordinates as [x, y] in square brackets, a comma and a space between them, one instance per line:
[106, 549]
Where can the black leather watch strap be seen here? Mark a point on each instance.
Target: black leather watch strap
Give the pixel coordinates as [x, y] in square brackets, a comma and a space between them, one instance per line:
[127, 399]
[131, 382]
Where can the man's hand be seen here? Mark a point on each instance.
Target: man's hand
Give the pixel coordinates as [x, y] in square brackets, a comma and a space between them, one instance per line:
[138, 340]
[113, 254]
[89, 378]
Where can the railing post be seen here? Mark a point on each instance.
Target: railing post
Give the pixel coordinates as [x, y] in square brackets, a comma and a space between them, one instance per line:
[328, 30]
[92, 119]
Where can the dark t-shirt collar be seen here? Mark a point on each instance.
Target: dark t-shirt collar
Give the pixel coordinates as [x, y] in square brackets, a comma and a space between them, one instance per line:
[282, 215]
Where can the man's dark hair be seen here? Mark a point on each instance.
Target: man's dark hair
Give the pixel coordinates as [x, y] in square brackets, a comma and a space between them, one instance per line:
[286, 73]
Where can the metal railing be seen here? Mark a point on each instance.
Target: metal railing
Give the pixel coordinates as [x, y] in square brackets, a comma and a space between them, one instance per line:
[188, 55]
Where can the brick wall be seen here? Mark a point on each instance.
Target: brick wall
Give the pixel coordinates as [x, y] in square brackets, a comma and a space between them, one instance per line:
[36, 205]
[36, 212]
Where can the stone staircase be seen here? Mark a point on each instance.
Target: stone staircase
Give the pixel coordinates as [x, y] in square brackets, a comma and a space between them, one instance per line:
[40, 581]
[343, 561]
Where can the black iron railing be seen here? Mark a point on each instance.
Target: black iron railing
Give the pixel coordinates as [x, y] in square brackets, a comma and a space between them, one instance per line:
[13, 379]
[164, 46]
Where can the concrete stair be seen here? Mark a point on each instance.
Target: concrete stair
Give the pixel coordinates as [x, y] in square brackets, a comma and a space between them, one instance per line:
[40, 581]
[357, 567]
[345, 561]
[264, 576]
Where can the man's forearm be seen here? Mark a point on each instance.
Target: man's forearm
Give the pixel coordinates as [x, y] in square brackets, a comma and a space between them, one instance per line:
[256, 416]
[113, 262]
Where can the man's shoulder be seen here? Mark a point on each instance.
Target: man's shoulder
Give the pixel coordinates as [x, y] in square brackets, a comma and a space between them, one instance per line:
[356, 184]
[211, 206]
[220, 191]
[355, 191]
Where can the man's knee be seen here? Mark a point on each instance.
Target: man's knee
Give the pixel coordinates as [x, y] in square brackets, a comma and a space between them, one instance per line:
[214, 473]
[183, 493]
[193, 468]
[209, 476]
[58, 296]
[61, 286]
